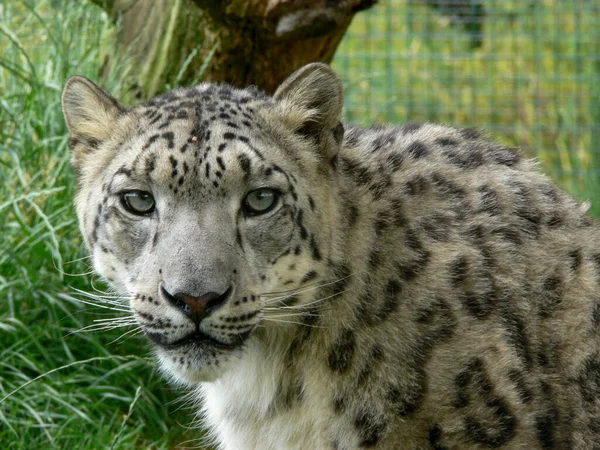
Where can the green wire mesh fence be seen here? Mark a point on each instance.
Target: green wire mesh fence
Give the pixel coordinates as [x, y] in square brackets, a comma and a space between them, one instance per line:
[526, 71]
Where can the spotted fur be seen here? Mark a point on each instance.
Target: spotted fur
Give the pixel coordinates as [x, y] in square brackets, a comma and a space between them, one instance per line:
[414, 287]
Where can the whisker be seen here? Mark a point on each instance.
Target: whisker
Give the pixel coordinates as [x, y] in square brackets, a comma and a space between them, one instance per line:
[281, 316]
[128, 334]
[292, 322]
[116, 319]
[78, 259]
[99, 327]
[302, 290]
[306, 305]
[101, 305]
[101, 302]
[104, 295]
[305, 288]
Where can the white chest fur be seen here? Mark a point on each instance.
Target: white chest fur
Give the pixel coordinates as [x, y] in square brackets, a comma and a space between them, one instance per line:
[241, 408]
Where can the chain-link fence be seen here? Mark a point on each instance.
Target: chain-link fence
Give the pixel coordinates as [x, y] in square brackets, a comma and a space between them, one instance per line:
[527, 71]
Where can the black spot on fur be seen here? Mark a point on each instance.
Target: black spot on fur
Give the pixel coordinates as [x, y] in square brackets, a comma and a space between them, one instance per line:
[342, 353]
[416, 185]
[372, 313]
[437, 226]
[458, 271]
[466, 159]
[515, 332]
[555, 220]
[309, 276]
[289, 394]
[589, 379]
[397, 212]
[316, 253]
[383, 140]
[170, 138]
[370, 429]
[244, 162]
[375, 259]
[411, 127]
[369, 365]
[434, 436]
[552, 296]
[488, 200]
[509, 233]
[72, 142]
[394, 161]
[220, 163]
[150, 164]
[447, 142]
[544, 425]
[352, 136]
[576, 258]
[473, 383]
[360, 174]
[410, 270]
[446, 188]
[303, 232]
[482, 434]
[406, 401]
[339, 404]
[417, 150]
[506, 156]
[470, 133]
[523, 389]
[479, 305]
[124, 170]
[596, 314]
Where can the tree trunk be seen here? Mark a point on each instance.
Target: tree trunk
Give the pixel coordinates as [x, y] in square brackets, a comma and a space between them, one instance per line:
[240, 42]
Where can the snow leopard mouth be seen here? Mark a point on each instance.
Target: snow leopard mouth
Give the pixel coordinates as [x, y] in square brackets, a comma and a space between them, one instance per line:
[197, 338]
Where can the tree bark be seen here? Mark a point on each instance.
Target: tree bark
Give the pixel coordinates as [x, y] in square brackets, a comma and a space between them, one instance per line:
[240, 42]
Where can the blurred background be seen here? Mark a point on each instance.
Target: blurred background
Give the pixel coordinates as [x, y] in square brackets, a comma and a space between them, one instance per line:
[73, 377]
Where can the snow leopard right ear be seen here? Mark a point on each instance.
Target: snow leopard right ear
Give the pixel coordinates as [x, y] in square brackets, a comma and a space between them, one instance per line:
[311, 101]
[90, 113]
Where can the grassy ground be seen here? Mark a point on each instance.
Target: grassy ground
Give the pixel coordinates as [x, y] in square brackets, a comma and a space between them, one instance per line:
[61, 389]
[87, 395]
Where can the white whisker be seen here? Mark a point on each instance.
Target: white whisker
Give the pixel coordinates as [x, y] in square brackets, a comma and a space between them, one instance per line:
[128, 334]
[78, 259]
[300, 291]
[116, 319]
[292, 322]
[100, 327]
[101, 305]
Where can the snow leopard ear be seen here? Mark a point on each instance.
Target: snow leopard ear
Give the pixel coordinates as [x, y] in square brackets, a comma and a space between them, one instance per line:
[312, 100]
[90, 113]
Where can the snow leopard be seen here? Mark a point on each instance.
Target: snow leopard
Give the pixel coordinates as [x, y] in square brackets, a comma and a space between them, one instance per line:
[319, 285]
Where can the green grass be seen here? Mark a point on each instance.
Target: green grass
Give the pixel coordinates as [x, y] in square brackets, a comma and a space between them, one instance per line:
[534, 83]
[60, 389]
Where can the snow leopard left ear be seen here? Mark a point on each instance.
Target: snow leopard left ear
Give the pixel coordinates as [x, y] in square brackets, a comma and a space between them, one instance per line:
[312, 99]
[90, 113]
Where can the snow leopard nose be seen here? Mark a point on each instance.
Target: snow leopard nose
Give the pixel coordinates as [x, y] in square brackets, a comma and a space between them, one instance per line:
[197, 308]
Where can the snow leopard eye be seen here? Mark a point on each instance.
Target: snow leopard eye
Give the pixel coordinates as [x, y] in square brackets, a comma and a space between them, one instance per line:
[140, 203]
[260, 201]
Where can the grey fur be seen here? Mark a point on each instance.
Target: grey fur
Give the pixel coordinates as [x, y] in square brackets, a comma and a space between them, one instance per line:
[415, 286]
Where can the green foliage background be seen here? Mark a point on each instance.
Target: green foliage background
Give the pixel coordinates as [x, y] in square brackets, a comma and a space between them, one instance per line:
[534, 82]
